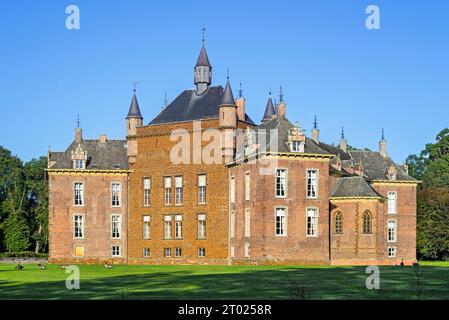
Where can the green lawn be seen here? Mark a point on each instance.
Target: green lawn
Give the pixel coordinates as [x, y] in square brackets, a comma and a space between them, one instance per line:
[222, 282]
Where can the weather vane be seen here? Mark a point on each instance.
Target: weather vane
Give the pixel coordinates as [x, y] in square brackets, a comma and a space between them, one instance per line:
[204, 30]
[135, 86]
[78, 120]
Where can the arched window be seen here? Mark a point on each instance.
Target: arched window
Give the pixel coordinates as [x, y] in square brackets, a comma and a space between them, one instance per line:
[338, 222]
[367, 228]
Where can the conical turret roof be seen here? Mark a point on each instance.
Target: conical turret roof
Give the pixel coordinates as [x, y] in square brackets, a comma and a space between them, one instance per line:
[269, 111]
[228, 97]
[203, 59]
[134, 110]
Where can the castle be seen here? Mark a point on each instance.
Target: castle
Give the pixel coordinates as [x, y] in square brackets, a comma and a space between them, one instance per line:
[264, 194]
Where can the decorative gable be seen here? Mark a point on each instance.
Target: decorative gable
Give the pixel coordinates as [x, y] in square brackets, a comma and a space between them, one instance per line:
[79, 157]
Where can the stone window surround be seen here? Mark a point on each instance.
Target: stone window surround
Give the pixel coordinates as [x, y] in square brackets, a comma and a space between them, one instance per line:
[285, 222]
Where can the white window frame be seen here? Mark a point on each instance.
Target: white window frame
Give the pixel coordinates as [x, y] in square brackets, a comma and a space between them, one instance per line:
[76, 226]
[391, 252]
[247, 186]
[146, 252]
[202, 224]
[116, 255]
[167, 227]
[147, 192]
[179, 191]
[116, 226]
[314, 224]
[81, 194]
[232, 190]
[392, 231]
[283, 222]
[76, 164]
[178, 252]
[116, 195]
[202, 191]
[146, 228]
[309, 191]
[392, 203]
[202, 252]
[167, 250]
[178, 226]
[278, 191]
[247, 223]
[296, 146]
[167, 191]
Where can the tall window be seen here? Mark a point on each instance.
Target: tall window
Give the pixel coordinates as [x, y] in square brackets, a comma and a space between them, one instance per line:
[202, 189]
[247, 186]
[167, 252]
[312, 183]
[116, 226]
[296, 146]
[178, 252]
[201, 226]
[367, 228]
[116, 251]
[178, 226]
[178, 191]
[338, 222]
[146, 228]
[247, 222]
[392, 203]
[312, 222]
[78, 226]
[167, 227]
[167, 190]
[79, 194]
[146, 192]
[115, 194]
[281, 183]
[281, 222]
[392, 230]
[146, 252]
[232, 190]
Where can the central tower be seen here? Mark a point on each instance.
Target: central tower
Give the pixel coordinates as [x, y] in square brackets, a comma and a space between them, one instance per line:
[203, 72]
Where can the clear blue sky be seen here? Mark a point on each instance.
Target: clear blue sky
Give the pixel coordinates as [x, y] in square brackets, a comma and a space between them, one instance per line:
[320, 51]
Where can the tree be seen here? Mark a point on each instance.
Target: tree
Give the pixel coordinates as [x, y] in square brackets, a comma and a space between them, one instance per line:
[37, 194]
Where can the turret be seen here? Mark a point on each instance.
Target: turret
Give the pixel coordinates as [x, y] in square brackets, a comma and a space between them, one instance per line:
[269, 110]
[203, 72]
[228, 122]
[383, 145]
[134, 119]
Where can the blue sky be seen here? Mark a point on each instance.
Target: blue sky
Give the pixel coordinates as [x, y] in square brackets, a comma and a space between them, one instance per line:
[320, 52]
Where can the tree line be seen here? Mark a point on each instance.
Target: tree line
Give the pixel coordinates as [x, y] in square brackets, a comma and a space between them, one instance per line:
[23, 204]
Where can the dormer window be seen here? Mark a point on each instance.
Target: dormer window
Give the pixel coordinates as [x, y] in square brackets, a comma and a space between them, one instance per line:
[79, 164]
[296, 146]
[392, 173]
[297, 139]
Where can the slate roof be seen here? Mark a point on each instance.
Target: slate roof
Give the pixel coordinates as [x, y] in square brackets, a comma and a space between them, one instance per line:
[228, 97]
[335, 150]
[134, 110]
[269, 111]
[110, 155]
[283, 126]
[190, 106]
[350, 187]
[203, 59]
[375, 166]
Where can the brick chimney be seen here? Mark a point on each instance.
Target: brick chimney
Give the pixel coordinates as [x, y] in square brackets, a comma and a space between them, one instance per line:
[240, 102]
[103, 138]
[78, 135]
[281, 110]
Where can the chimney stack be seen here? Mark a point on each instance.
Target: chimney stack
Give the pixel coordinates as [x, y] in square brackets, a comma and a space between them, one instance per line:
[280, 108]
[103, 138]
[78, 135]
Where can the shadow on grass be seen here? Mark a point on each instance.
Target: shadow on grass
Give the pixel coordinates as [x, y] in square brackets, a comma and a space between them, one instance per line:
[244, 283]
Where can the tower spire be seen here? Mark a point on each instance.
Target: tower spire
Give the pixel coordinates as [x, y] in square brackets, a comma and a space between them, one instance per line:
[281, 95]
[383, 134]
[78, 121]
[134, 109]
[269, 110]
[203, 70]
[315, 123]
[342, 133]
[240, 90]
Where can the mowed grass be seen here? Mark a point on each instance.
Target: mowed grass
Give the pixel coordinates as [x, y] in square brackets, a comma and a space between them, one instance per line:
[223, 282]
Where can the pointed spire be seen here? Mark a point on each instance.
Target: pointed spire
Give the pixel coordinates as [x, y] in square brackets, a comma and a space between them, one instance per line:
[78, 121]
[134, 110]
[240, 91]
[269, 110]
[383, 135]
[315, 123]
[228, 97]
[281, 95]
[342, 133]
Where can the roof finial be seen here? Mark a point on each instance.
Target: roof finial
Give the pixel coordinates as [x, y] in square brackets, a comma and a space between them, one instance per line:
[204, 38]
[165, 100]
[135, 86]
[315, 123]
[269, 92]
[383, 134]
[227, 73]
[281, 95]
[78, 120]
[240, 90]
[343, 133]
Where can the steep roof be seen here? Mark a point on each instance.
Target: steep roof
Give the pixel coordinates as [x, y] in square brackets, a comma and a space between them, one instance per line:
[110, 155]
[353, 187]
[190, 106]
[282, 126]
[334, 150]
[375, 166]
[134, 110]
[269, 111]
[228, 97]
[203, 59]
